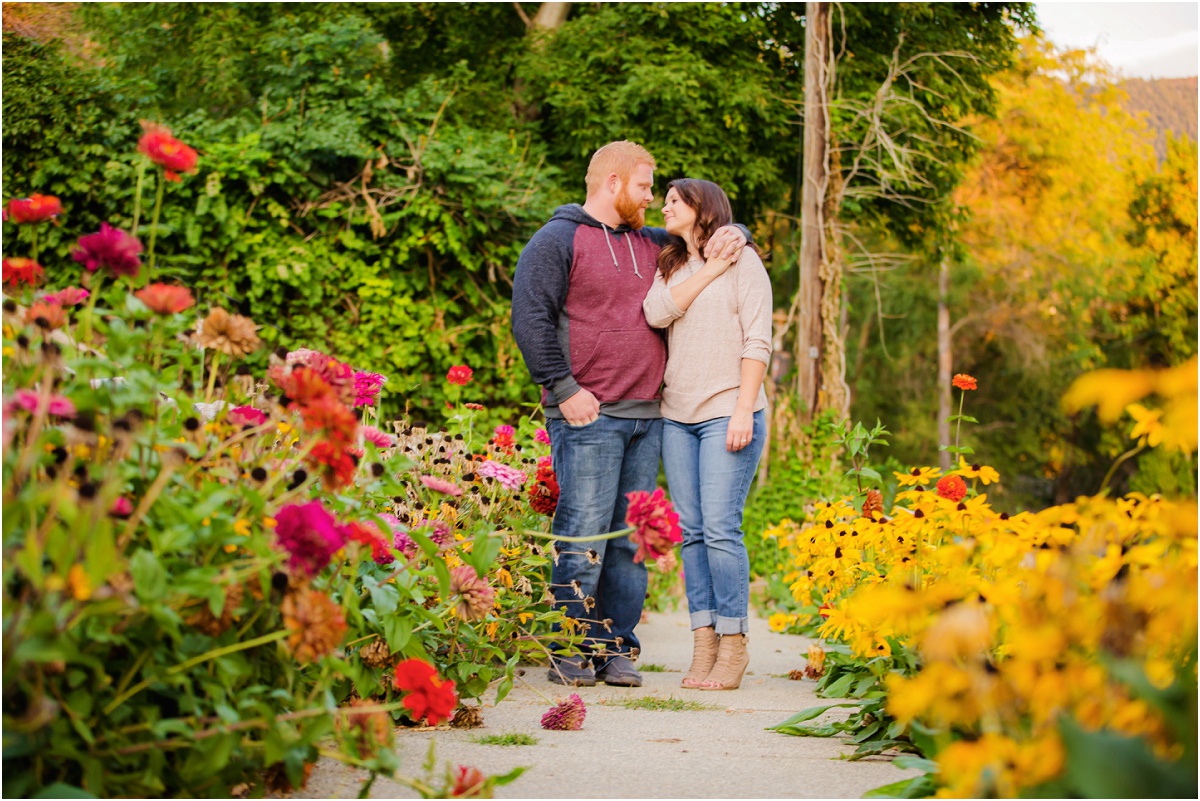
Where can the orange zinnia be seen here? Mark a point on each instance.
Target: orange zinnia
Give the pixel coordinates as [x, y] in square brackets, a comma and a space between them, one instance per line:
[964, 382]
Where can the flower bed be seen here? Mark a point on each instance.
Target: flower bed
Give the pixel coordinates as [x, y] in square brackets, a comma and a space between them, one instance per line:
[212, 577]
[1048, 653]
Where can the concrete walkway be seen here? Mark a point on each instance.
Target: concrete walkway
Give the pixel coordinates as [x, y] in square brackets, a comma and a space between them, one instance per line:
[718, 752]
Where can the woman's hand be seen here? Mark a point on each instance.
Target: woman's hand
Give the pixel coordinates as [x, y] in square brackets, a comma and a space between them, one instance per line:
[719, 265]
[740, 431]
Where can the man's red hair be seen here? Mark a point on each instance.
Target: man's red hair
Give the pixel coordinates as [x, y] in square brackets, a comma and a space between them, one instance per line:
[621, 158]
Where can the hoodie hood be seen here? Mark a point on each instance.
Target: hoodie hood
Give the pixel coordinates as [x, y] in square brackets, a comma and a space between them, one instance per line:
[574, 213]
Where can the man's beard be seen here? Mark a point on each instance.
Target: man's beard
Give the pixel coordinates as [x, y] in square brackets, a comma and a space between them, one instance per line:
[629, 210]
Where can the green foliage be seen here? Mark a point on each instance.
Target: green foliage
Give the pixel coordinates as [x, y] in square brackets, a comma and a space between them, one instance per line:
[517, 738]
[671, 704]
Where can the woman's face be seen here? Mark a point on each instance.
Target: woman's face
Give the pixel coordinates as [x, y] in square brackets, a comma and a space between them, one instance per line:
[678, 217]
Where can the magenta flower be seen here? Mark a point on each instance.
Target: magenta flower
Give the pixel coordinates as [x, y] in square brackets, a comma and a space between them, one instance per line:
[509, 477]
[366, 387]
[567, 716]
[376, 437]
[122, 507]
[334, 373]
[542, 436]
[441, 534]
[309, 534]
[112, 248]
[71, 296]
[56, 405]
[655, 523]
[441, 485]
[504, 431]
[246, 416]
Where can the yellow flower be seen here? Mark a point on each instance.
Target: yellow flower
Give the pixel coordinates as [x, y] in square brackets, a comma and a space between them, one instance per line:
[241, 527]
[922, 475]
[525, 617]
[81, 588]
[982, 472]
[230, 548]
[1109, 390]
[283, 427]
[779, 621]
[1148, 428]
[492, 628]
[269, 522]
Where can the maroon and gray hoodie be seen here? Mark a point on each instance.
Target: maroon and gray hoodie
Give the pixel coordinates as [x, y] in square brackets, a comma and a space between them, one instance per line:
[577, 313]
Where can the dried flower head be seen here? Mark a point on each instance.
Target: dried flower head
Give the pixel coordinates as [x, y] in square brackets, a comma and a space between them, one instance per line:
[815, 668]
[568, 715]
[873, 503]
[231, 334]
[475, 595]
[215, 625]
[316, 624]
[375, 654]
[655, 523]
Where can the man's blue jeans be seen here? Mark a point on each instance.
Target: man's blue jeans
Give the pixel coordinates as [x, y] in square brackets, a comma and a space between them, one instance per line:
[708, 488]
[598, 582]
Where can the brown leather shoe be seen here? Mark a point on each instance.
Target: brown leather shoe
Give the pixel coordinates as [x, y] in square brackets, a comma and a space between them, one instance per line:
[704, 656]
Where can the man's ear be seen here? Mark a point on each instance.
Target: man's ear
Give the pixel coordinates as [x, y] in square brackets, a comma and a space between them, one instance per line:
[614, 183]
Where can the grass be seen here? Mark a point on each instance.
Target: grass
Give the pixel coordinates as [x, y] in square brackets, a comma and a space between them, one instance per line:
[506, 739]
[671, 704]
[652, 668]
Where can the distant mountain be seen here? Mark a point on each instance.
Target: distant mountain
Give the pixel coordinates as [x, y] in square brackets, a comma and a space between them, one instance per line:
[1169, 103]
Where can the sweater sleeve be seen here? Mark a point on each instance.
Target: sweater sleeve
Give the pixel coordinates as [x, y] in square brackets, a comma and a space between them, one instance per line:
[659, 307]
[754, 307]
[539, 295]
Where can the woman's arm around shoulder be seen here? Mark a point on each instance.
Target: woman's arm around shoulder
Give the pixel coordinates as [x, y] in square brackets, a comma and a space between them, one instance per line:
[755, 306]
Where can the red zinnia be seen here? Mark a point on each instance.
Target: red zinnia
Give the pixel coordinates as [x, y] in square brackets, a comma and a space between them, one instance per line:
[165, 298]
[301, 385]
[22, 271]
[429, 696]
[655, 523]
[109, 247]
[367, 534]
[952, 488]
[964, 382]
[338, 462]
[468, 782]
[34, 209]
[460, 374]
[166, 151]
[543, 494]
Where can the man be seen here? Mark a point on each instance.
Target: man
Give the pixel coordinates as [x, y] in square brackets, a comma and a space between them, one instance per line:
[577, 318]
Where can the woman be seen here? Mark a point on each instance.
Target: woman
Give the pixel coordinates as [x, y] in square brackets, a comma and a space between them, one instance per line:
[718, 316]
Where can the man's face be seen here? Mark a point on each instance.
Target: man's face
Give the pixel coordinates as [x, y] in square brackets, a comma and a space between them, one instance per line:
[635, 196]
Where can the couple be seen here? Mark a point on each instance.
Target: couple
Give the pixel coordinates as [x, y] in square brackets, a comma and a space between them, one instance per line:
[593, 290]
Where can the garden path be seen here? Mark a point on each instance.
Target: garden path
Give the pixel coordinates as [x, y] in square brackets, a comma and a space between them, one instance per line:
[720, 752]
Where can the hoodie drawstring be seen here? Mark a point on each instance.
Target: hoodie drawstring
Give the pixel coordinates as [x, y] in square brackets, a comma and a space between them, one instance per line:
[613, 253]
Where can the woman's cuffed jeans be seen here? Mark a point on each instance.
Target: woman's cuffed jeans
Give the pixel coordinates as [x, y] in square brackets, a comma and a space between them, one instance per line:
[708, 487]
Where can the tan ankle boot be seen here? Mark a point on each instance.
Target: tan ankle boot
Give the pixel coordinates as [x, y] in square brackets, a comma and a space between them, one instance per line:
[732, 659]
[704, 656]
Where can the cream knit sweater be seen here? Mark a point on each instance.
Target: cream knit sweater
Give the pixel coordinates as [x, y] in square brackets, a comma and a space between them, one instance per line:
[727, 322]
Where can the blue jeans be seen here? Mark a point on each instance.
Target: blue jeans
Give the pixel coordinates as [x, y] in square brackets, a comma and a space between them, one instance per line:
[708, 488]
[598, 582]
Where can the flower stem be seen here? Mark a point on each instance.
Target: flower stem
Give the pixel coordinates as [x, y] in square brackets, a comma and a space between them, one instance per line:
[1120, 460]
[137, 195]
[958, 426]
[158, 200]
[86, 324]
[612, 535]
[212, 376]
[35, 241]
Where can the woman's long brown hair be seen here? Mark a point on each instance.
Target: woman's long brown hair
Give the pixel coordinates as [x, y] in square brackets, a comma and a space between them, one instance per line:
[712, 212]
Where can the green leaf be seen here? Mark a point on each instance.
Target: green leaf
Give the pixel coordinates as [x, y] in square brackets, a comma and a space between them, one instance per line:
[149, 577]
[812, 712]
[840, 688]
[916, 787]
[1103, 764]
[908, 761]
[60, 790]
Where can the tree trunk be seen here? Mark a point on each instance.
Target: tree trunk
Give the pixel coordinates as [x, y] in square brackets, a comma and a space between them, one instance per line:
[551, 16]
[816, 128]
[945, 364]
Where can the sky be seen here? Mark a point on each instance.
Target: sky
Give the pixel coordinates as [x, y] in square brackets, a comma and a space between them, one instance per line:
[1142, 40]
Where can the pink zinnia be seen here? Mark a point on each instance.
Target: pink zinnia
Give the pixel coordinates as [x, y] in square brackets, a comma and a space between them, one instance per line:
[567, 716]
[504, 431]
[122, 507]
[334, 373]
[112, 248]
[441, 533]
[441, 485]
[509, 477]
[166, 151]
[71, 296]
[56, 405]
[542, 436]
[309, 534]
[246, 416]
[459, 374]
[655, 523]
[376, 437]
[366, 387]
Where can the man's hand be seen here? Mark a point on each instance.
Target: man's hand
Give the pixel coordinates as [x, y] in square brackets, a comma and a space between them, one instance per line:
[580, 409]
[726, 243]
